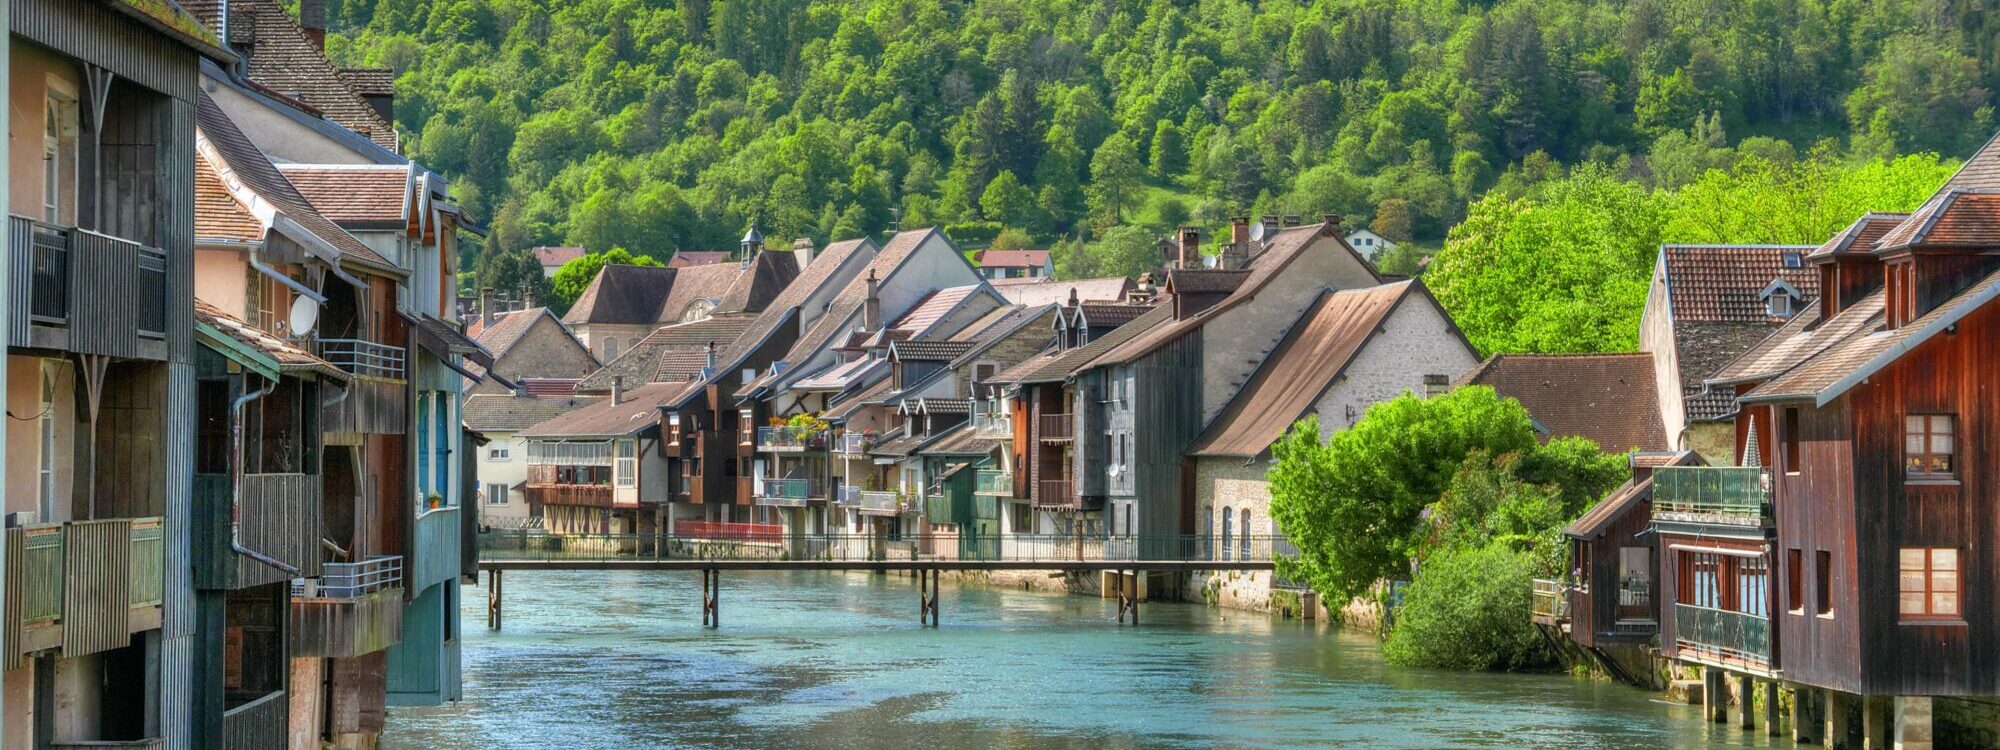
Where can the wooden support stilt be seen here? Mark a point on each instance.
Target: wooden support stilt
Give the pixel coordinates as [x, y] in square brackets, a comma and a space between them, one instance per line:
[493, 600]
[1747, 685]
[1773, 718]
[711, 598]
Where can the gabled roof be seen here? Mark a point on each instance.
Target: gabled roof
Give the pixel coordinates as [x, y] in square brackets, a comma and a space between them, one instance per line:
[1982, 171]
[636, 412]
[1612, 399]
[960, 440]
[686, 258]
[1957, 217]
[1800, 339]
[509, 327]
[1869, 347]
[241, 341]
[1859, 238]
[1041, 290]
[373, 194]
[1719, 283]
[1290, 382]
[852, 400]
[504, 412]
[1626, 497]
[1205, 280]
[934, 307]
[1104, 315]
[847, 305]
[546, 256]
[287, 63]
[670, 354]
[1011, 258]
[622, 294]
[1059, 366]
[929, 350]
[218, 215]
[783, 310]
[1278, 255]
[258, 188]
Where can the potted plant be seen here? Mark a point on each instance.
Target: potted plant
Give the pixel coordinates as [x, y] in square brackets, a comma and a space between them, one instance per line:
[434, 501]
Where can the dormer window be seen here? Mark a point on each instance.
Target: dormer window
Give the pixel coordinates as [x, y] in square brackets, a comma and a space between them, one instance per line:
[1795, 260]
[1778, 306]
[1780, 298]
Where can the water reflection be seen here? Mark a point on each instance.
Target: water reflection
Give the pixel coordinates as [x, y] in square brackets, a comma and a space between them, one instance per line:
[820, 660]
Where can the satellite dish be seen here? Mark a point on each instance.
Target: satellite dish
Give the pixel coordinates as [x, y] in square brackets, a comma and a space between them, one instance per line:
[305, 315]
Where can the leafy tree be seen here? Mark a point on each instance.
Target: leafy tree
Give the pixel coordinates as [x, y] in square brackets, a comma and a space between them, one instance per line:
[1352, 501]
[1173, 212]
[1392, 220]
[575, 276]
[1116, 178]
[1169, 153]
[1122, 251]
[1464, 612]
[1007, 201]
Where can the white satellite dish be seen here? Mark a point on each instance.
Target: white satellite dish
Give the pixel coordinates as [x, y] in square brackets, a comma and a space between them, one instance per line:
[305, 315]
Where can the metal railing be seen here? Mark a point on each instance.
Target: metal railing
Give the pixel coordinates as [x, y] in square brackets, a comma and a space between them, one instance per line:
[994, 482]
[363, 357]
[1721, 636]
[1055, 427]
[351, 580]
[1735, 495]
[704, 540]
[792, 491]
[878, 501]
[48, 297]
[993, 422]
[787, 438]
[1550, 600]
[855, 443]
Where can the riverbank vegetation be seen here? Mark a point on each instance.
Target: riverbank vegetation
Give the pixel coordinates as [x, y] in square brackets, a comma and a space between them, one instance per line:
[1453, 493]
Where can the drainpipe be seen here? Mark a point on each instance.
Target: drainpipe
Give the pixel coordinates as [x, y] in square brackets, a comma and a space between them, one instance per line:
[236, 481]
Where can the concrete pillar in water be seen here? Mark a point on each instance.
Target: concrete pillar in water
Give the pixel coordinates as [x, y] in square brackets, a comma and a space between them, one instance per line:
[1772, 716]
[1913, 723]
[1747, 687]
[1838, 731]
[1875, 721]
[1808, 715]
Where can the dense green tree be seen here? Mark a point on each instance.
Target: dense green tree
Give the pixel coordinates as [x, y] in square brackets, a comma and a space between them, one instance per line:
[1006, 201]
[575, 276]
[1116, 178]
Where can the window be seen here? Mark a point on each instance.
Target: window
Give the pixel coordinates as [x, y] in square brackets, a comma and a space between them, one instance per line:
[59, 138]
[1753, 594]
[45, 475]
[1228, 522]
[1927, 446]
[1794, 260]
[1436, 385]
[1778, 305]
[1700, 579]
[1243, 532]
[628, 463]
[501, 451]
[1823, 583]
[1795, 589]
[496, 494]
[1929, 584]
[1791, 440]
[610, 348]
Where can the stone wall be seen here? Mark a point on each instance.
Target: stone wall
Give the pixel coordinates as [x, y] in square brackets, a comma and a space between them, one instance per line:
[1231, 484]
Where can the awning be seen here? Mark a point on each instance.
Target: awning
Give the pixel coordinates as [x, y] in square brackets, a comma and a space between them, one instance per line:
[444, 340]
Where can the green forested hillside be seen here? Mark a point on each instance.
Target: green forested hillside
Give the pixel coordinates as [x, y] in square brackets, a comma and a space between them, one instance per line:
[662, 124]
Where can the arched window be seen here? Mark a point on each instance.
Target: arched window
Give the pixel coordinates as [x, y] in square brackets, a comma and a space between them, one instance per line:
[700, 309]
[610, 349]
[1244, 534]
[1227, 518]
[1207, 537]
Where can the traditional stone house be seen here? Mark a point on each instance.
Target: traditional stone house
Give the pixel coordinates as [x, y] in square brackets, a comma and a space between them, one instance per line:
[503, 460]
[1348, 350]
[1708, 304]
[529, 343]
[625, 303]
[1609, 398]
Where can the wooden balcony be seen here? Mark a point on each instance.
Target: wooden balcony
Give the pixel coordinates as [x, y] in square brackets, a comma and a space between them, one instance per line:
[1056, 493]
[257, 725]
[553, 484]
[279, 517]
[74, 290]
[1722, 638]
[352, 609]
[1549, 603]
[1055, 428]
[372, 406]
[84, 587]
[1713, 496]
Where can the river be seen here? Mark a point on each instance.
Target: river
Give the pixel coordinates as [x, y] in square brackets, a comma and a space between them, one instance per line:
[619, 660]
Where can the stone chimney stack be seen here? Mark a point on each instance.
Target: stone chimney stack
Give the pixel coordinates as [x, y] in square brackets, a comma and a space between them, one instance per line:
[312, 18]
[1332, 220]
[1236, 254]
[486, 307]
[1190, 247]
[711, 357]
[802, 249]
[617, 389]
[528, 297]
[871, 310]
[1292, 220]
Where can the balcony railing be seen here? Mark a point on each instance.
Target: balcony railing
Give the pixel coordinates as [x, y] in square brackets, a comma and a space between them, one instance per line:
[1723, 495]
[352, 609]
[996, 423]
[257, 724]
[364, 357]
[1055, 427]
[1055, 492]
[86, 292]
[855, 443]
[1549, 604]
[791, 438]
[847, 495]
[878, 503]
[434, 557]
[791, 491]
[1635, 594]
[994, 482]
[749, 532]
[1722, 637]
[588, 486]
[84, 586]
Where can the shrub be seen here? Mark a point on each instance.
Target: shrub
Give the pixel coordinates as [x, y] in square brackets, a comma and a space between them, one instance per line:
[1468, 609]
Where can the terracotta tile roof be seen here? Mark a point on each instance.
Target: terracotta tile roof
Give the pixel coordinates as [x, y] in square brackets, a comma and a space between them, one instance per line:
[290, 358]
[1981, 171]
[1610, 398]
[555, 256]
[729, 287]
[497, 412]
[1860, 237]
[843, 375]
[285, 61]
[1869, 347]
[218, 215]
[961, 440]
[1704, 348]
[228, 151]
[929, 350]
[549, 386]
[1278, 254]
[1043, 291]
[637, 411]
[507, 329]
[622, 294]
[1098, 315]
[356, 194]
[1002, 318]
[933, 308]
[686, 258]
[869, 396]
[1012, 258]
[1720, 283]
[1800, 339]
[671, 354]
[1306, 362]
[784, 308]
[847, 305]
[1955, 217]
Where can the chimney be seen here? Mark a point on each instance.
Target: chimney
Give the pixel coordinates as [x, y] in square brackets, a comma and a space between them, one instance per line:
[802, 249]
[871, 310]
[1332, 220]
[1236, 254]
[1239, 231]
[485, 307]
[528, 297]
[711, 357]
[1190, 247]
[1292, 220]
[617, 389]
[312, 19]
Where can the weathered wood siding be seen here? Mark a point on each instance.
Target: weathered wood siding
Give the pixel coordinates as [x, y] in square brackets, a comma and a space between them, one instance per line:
[94, 32]
[1166, 420]
[280, 517]
[345, 628]
[97, 617]
[257, 725]
[1815, 512]
[435, 556]
[1601, 561]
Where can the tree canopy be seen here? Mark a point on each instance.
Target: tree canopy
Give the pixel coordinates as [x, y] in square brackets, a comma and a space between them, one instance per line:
[575, 276]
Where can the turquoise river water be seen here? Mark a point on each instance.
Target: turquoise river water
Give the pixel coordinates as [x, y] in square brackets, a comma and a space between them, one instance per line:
[593, 660]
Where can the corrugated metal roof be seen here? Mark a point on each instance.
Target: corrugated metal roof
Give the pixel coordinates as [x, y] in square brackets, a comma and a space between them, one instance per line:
[1293, 377]
[1612, 399]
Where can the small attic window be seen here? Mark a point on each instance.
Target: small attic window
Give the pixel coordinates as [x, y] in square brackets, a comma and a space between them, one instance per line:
[1778, 305]
[1795, 260]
